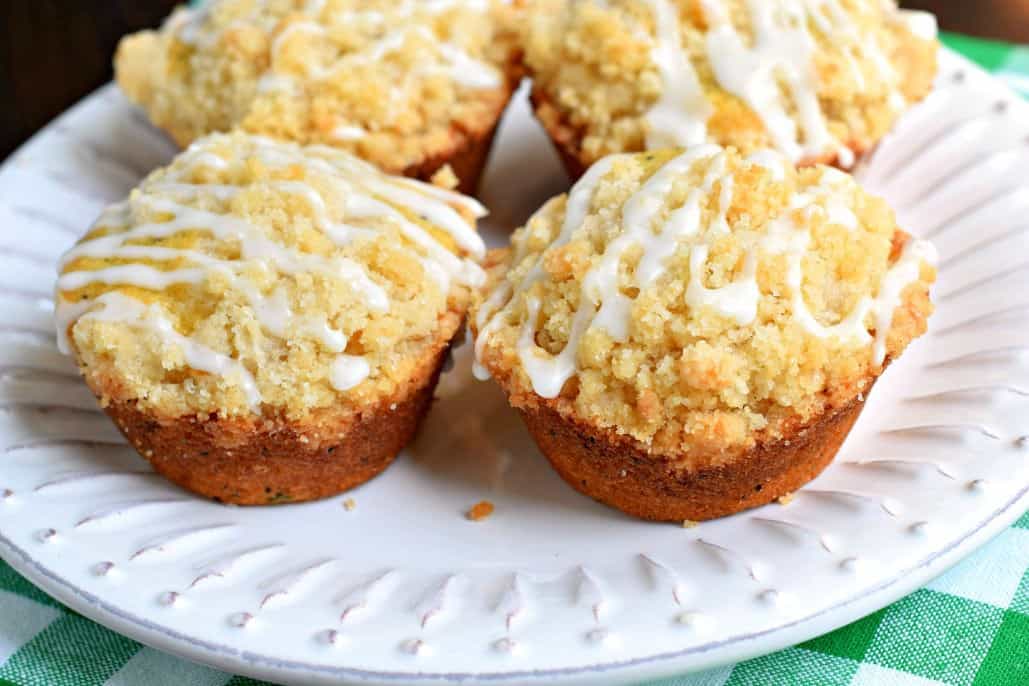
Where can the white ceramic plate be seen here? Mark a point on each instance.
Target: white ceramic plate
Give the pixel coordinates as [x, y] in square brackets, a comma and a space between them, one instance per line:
[553, 588]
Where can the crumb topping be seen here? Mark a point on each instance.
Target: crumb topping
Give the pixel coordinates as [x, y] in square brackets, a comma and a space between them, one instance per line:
[389, 81]
[811, 78]
[700, 301]
[254, 276]
[480, 511]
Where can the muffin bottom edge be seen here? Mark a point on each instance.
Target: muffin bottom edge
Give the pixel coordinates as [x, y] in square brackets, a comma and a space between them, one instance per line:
[617, 471]
[268, 461]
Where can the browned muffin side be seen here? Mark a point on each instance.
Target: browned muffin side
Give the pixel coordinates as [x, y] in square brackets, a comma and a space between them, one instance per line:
[259, 461]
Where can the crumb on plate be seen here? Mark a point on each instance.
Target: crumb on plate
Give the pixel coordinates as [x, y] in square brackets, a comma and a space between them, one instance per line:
[480, 510]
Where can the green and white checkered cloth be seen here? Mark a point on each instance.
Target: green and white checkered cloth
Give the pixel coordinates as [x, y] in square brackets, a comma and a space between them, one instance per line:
[970, 626]
[1007, 62]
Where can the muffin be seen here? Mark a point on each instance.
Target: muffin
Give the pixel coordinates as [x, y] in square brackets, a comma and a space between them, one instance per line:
[410, 86]
[266, 322]
[817, 81]
[689, 334]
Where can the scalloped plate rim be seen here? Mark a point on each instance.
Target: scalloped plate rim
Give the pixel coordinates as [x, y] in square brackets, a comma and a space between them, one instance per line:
[747, 646]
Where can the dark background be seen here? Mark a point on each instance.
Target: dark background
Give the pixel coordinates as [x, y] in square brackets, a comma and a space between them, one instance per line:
[52, 52]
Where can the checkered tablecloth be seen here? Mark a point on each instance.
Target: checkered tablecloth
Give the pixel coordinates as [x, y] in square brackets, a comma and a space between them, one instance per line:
[970, 626]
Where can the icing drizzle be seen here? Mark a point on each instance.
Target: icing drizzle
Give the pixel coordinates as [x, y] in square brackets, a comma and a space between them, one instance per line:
[365, 194]
[679, 117]
[603, 303]
[771, 70]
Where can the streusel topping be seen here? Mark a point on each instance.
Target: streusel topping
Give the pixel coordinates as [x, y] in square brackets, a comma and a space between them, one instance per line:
[252, 275]
[392, 81]
[810, 78]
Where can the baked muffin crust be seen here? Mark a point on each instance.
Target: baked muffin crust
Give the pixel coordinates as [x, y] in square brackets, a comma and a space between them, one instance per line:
[401, 84]
[701, 302]
[252, 277]
[818, 80]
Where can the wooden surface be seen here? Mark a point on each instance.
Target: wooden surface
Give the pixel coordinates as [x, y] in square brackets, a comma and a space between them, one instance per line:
[52, 52]
[1002, 19]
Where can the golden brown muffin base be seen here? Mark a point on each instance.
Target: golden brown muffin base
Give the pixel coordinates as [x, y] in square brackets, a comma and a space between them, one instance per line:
[263, 461]
[467, 157]
[469, 148]
[567, 140]
[618, 471]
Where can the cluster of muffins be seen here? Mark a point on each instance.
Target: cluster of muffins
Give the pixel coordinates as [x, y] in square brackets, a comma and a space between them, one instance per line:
[690, 331]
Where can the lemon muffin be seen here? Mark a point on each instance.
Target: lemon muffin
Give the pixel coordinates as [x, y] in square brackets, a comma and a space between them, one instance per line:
[688, 334]
[266, 322]
[818, 80]
[410, 86]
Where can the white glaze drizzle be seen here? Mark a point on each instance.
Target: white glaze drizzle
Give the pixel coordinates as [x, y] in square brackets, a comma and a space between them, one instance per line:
[124, 309]
[679, 117]
[780, 50]
[453, 62]
[771, 161]
[605, 306]
[903, 273]
[359, 185]
[348, 371]
[601, 284]
[780, 53]
[577, 206]
[348, 132]
[920, 24]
